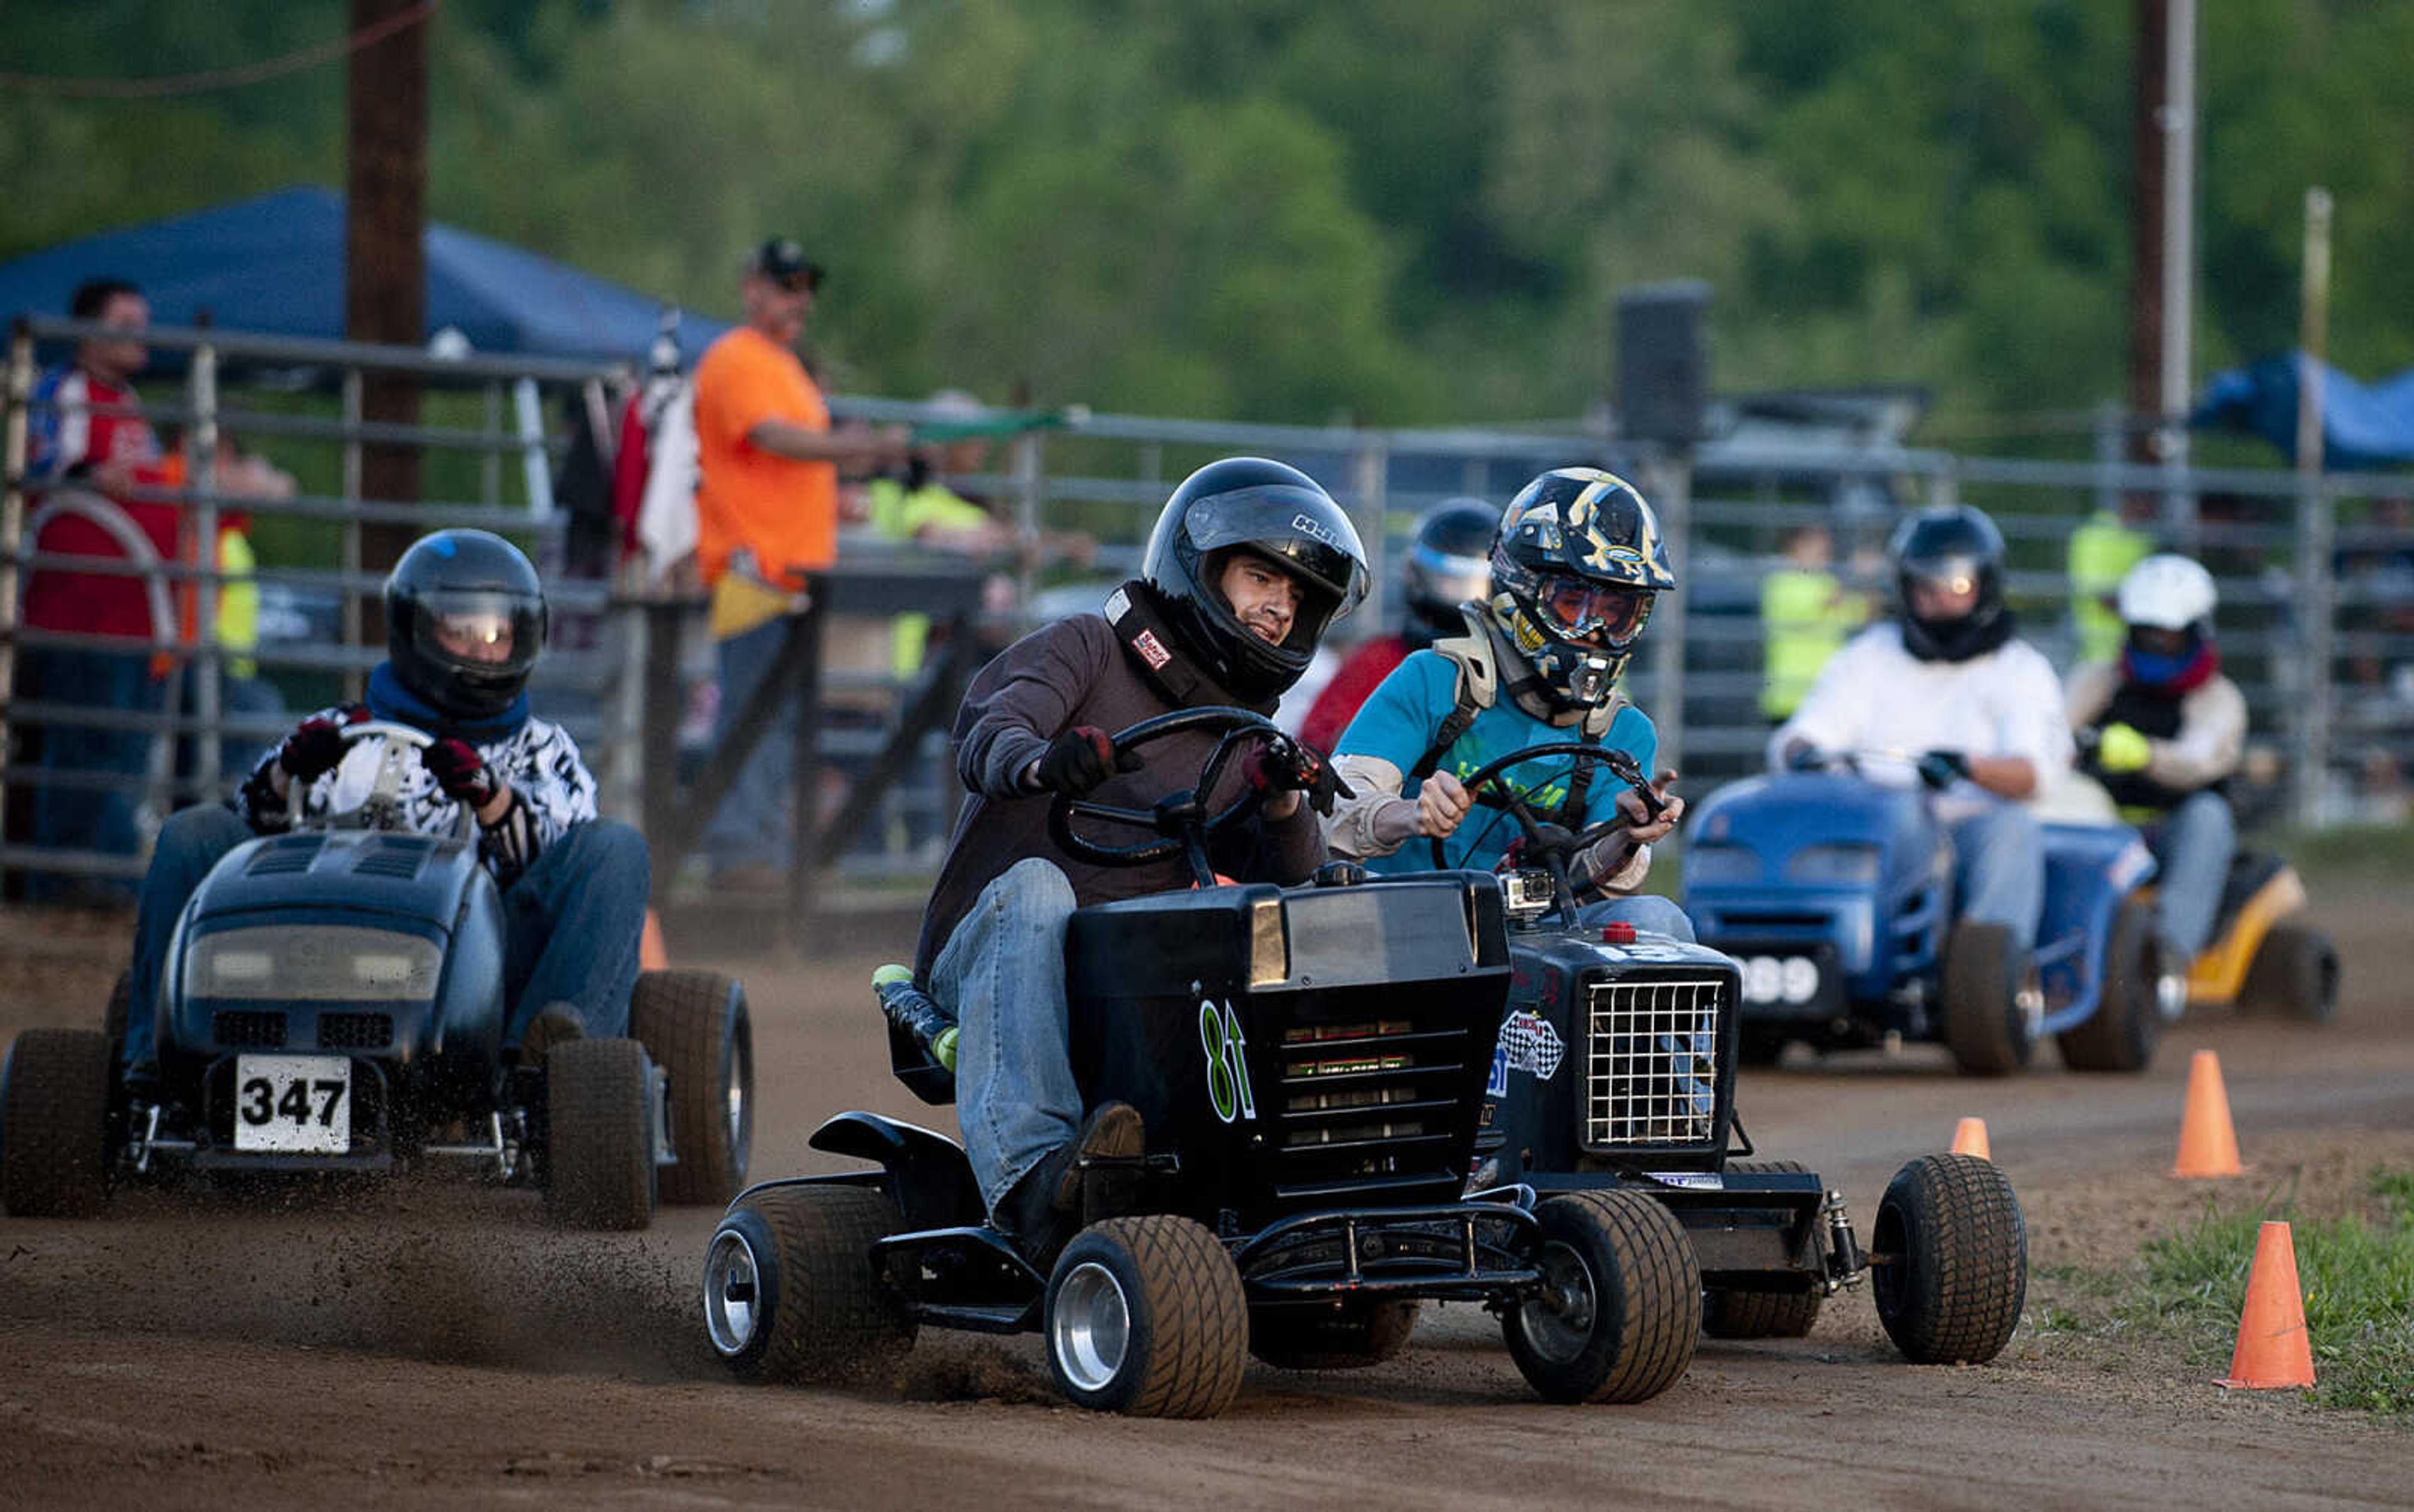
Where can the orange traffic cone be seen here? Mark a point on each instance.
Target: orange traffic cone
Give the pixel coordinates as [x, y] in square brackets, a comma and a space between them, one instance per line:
[2274, 1349]
[1970, 1138]
[2208, 1144]
[650, 954]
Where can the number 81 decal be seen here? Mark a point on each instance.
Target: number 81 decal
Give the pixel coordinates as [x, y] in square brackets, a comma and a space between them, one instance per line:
[1228, 1061]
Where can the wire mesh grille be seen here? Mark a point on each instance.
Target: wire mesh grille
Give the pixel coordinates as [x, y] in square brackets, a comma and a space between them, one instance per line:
[1651, 1072]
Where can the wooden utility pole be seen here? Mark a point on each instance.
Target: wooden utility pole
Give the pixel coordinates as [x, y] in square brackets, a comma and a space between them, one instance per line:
[2161, 282]
[385, 266]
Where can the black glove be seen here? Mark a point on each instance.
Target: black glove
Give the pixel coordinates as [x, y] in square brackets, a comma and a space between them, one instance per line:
[1938, 768]
[1081, 758]
[1802, 755]
[1282, 764]
[461, 771]
[1548, 840]
[316, 747]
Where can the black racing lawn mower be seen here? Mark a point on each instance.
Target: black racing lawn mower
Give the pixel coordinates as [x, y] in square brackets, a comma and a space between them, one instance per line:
[1614, 1076]
[1310, 1063]
[333, 1004]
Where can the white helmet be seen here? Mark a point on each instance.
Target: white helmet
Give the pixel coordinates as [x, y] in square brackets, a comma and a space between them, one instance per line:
[2167, 593]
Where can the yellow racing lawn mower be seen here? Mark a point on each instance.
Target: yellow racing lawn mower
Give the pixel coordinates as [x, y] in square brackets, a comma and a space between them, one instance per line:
[2265, 956]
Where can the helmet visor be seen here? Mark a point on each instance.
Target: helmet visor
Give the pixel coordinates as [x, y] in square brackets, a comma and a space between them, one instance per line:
[1453, 579]
[482, 630]
[1583, 609]
[1297, 527]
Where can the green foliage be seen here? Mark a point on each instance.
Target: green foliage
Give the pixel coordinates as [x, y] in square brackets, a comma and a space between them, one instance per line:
[1405, 210]
[2357, 1274]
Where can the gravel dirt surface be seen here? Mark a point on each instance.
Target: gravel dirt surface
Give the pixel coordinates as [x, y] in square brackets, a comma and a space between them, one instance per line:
[434, 1343]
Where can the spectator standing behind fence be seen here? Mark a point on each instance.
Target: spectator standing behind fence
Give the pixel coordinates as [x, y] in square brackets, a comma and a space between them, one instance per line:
[2101, 551]
[767, 520]
[1805, 615]
[77, 443]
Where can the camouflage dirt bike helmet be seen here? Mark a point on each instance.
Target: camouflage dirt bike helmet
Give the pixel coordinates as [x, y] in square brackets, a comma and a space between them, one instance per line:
[1575, 568]
[465, 622]
[1279, 513]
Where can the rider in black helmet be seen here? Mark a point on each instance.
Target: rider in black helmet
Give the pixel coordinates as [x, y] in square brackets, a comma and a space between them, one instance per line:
[1977, 710]
[1249, 563]
[465, 625]
[1447, 564]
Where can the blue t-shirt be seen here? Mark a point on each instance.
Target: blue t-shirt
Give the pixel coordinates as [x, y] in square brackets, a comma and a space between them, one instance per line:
[1401, 718]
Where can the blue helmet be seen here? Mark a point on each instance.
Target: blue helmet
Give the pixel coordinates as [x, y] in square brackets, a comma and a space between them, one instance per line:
[1575, 568]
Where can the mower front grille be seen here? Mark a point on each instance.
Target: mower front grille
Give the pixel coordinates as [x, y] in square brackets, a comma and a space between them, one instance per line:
[1651, 1071]
[355, 1031]
[1366, 1100]
[239, 1029]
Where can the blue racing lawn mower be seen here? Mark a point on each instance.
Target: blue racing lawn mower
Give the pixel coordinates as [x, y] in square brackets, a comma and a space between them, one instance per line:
[1836, 893]
[332, 1002]
[1310, 1063]
[1615, 1074]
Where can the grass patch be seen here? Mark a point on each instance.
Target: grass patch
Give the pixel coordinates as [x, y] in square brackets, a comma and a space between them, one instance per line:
[2349, 850]
[2357, 1272]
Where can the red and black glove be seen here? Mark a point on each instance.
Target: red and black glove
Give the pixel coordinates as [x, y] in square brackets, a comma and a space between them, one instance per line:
[461, 771]
[1282, 764]
[1076, 761]
[316, 747]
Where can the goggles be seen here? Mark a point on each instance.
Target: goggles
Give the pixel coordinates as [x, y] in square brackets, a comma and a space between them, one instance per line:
[1584, 609]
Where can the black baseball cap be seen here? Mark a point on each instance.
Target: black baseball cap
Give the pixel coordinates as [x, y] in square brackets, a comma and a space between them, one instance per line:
[783, 262]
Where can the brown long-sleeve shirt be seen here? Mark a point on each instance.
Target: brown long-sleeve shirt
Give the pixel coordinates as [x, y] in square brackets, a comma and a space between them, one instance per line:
[1069, 673]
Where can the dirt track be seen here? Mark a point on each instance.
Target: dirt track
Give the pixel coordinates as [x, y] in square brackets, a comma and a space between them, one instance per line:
[435, 1344]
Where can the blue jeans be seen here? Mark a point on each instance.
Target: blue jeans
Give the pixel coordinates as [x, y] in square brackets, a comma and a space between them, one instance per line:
[1999, 869]
[1001, 974]
[69, 818]
[2193, 845]
[1648, 913]
[755, 822]
[571, 922]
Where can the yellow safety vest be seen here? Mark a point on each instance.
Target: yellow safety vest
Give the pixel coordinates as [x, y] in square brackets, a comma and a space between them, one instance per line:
[2101, 551]
[1805, 616]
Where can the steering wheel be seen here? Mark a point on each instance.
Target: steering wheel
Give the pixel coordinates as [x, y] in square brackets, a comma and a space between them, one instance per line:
[382, 808]
[1555, 857]
[1181, 819]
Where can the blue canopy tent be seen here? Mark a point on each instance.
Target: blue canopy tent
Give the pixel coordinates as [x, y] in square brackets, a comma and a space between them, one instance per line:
[274, 264]
[2363, 425]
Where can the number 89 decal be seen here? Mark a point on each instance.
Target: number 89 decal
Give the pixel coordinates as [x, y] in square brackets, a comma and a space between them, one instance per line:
[1228, 1061]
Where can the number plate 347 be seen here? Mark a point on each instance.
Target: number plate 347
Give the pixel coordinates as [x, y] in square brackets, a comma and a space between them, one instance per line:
[293, 1104]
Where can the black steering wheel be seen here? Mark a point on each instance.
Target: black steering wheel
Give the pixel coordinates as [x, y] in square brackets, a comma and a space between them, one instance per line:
[1555, 853]
[1181, 818]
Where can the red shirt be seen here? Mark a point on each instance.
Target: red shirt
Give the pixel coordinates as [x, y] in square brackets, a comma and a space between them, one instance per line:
[71, 436]
[1358, 676]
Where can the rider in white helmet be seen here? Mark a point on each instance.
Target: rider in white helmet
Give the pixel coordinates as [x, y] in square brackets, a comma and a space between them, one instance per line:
[2162, 730]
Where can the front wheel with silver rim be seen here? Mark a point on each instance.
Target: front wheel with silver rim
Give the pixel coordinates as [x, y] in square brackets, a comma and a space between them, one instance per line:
[792, 1291]
[1146, 1316]
[1617, 1314]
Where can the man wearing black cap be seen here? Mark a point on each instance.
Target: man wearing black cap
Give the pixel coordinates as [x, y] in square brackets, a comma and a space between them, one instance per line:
[767, 516]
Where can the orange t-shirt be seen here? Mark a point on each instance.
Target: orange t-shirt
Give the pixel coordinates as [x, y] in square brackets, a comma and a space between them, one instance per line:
[784, 510]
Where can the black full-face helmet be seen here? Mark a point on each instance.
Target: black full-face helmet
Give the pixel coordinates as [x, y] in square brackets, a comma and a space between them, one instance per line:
[1248, 503]
[1449, 564]
[1576, 567]
[1957, 548]
[465, 622]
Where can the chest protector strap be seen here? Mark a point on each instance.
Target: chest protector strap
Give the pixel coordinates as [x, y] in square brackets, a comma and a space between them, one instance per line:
[1479, 687]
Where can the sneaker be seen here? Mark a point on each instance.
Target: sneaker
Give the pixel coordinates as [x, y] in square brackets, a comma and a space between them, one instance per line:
[553, 1024]
[1043, 1210]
